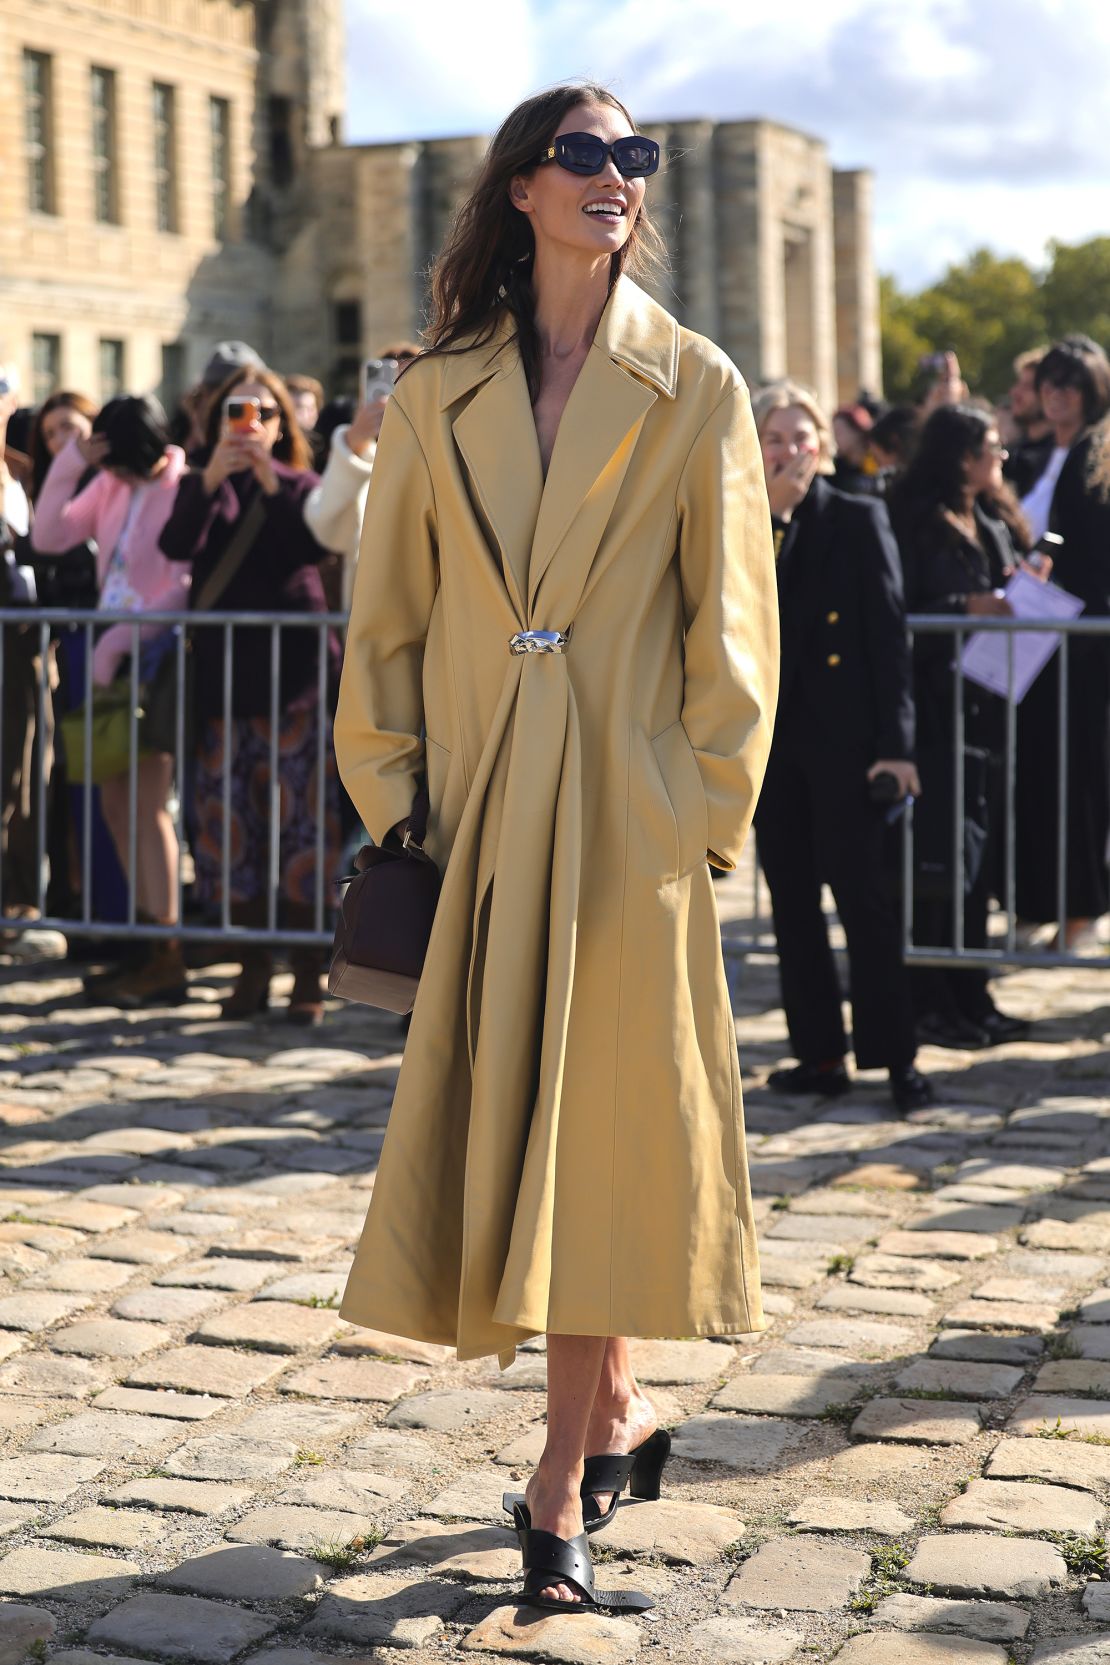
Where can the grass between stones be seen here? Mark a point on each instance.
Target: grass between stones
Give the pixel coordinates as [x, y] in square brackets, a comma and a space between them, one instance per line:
[341, 1555]
[885, 1579]
[840, 1263]
[1084, 1553]
[1058, 1431]
[308, 1459]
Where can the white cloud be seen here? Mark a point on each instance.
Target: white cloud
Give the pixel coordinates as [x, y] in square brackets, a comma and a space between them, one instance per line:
[984, 120]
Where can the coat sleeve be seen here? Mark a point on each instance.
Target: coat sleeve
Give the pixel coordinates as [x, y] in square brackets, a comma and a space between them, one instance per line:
[334, 508]
[731, 609]
[888, 647]
[62, 520]
[380, 716]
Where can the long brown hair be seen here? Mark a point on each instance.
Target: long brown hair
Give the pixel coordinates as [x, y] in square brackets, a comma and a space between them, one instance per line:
[290, 447]
[486, 263]
[40, 456]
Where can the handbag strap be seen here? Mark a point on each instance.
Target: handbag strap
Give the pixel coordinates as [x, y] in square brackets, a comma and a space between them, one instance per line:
[418, 818]
[250, 524]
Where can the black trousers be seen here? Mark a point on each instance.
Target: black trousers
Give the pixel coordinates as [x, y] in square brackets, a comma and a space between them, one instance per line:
[815, 824]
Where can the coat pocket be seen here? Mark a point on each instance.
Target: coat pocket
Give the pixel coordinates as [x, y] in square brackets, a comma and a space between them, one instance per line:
[682, 779]
[443, 812]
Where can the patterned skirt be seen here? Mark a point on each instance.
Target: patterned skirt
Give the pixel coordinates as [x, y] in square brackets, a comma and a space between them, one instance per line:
[250, 803]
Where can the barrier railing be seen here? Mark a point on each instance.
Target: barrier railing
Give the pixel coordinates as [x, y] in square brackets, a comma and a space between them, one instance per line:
[48, 625]
[51, 625]
[1002, 948]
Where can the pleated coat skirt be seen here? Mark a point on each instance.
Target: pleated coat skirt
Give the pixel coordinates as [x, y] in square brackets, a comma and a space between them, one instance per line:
[566, 1147]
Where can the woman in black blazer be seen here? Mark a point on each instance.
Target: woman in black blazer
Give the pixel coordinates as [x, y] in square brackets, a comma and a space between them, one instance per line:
[956, 555]
[1073, 379]
[845, 718]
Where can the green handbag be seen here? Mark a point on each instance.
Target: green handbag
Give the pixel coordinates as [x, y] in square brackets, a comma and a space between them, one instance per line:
[111, 735]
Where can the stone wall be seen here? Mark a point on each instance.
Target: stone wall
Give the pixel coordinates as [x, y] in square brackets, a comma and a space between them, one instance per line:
[770, 251]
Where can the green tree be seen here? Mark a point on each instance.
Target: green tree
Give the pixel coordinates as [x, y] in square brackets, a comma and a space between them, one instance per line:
[1076, 289]
[986, 310]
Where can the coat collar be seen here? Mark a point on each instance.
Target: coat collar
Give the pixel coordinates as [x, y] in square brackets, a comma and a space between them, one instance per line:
[633, 360]
[634, 331]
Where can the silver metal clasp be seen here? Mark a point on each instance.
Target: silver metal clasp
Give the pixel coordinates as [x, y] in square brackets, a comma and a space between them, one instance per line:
[540, 641]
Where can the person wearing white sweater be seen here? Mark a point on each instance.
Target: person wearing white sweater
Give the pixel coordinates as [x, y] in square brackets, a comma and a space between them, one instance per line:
[333, 510]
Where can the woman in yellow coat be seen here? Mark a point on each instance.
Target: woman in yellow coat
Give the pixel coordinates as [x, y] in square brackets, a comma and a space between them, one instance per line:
[565, 614]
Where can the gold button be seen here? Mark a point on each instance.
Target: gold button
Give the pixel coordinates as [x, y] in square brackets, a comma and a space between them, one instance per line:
[833, 618]
[833, 659]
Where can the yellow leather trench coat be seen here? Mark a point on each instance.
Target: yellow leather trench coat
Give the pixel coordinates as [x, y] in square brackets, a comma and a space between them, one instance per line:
[566, 1146]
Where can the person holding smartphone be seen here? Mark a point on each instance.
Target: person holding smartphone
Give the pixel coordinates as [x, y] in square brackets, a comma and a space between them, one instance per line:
[258, 466]
[844, 736]
[123, 510]
[334, 508]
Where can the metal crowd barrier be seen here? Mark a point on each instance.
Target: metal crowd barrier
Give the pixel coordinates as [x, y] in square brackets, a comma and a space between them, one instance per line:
[1002, 950]
[49, 624]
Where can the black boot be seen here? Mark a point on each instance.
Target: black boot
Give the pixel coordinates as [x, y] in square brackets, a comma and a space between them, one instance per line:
[909, 1088]
[829, 1080]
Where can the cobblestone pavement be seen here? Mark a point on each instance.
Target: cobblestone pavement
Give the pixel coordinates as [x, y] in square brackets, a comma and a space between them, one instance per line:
[200, 1462]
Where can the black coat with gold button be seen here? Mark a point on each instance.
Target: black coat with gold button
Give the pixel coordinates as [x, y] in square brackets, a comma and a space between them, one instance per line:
[846, 665]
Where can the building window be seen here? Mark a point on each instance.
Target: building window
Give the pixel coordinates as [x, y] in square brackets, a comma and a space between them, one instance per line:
[112, 380]
[38, 132]
[105, 158]
[281, 141]
[46, 366]
[173, 374]
[219, 116]
[165, 156]
[348, 323]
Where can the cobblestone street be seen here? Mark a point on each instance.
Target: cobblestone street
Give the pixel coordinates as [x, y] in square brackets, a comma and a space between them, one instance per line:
[201, 1462]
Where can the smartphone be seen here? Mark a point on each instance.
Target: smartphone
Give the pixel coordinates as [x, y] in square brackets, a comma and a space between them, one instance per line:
[933, 364]
[377, 379]
[9, 380]
[240, 413]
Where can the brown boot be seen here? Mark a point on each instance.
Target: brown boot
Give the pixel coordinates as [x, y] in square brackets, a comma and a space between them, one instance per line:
[159, 981]
[306, 1003]
[251, 993]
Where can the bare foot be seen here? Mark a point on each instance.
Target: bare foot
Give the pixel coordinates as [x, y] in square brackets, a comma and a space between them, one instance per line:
[617, 1428]
[555, 1505]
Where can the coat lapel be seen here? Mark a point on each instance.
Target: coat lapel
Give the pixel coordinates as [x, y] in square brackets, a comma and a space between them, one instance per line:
[633, 359]
[496, 435]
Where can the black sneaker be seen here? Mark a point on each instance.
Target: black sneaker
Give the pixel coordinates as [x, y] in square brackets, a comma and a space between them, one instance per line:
[909, 1089]
[950, 1029]
[811, 1078]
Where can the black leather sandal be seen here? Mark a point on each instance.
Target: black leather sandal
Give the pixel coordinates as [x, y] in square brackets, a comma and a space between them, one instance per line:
[550, 1560]
[641, 1470]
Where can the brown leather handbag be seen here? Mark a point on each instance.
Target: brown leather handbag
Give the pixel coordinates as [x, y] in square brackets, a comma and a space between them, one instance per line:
[385, 920]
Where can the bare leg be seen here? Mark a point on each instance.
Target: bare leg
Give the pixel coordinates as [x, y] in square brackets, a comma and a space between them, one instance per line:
[574, 1365]
[622, 1416]
[157, 841]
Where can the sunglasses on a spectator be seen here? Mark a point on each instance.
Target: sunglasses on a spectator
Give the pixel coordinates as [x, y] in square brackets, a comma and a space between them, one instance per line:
[585, 153]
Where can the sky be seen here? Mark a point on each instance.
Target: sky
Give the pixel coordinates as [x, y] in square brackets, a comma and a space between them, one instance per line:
[985, 121]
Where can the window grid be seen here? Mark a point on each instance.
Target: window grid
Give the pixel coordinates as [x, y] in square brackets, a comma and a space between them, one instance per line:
[102, 85]
[165, 159]
[219, 111]
[46, 366]
[38, 121]
[112, 380]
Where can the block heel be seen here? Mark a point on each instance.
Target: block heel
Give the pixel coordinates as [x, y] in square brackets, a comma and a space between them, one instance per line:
[647, 1469]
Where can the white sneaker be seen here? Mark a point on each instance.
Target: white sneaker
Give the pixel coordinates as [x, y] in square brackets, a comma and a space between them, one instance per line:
[34, 944]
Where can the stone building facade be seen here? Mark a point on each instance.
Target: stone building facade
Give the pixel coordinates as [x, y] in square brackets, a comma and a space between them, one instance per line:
[173, 172]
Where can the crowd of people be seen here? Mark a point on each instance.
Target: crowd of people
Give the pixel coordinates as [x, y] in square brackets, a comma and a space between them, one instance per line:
[929, 509]
[877, 512]
[248, 499]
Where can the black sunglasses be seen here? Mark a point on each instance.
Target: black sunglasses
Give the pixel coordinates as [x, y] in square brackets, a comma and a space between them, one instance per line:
[585, 153]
